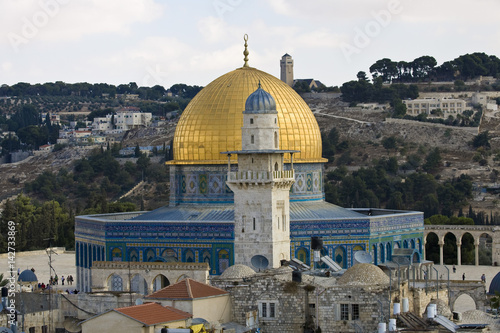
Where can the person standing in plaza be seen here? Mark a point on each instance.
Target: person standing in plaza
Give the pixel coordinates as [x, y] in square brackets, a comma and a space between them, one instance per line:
[463, 277]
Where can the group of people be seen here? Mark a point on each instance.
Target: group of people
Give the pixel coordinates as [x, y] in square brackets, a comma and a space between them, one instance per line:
[55, 280]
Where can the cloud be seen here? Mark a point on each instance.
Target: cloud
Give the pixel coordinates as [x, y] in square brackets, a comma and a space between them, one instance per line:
[62, 20]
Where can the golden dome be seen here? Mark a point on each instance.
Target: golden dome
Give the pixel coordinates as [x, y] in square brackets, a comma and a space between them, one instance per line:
[212, 121]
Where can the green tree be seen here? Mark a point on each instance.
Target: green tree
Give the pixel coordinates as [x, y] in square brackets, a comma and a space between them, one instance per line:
[432, 160]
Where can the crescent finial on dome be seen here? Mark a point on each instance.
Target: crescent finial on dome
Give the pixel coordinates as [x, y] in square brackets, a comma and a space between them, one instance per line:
[245, 52]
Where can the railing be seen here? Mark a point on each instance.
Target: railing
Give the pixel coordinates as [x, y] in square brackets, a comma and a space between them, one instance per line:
[261, 176]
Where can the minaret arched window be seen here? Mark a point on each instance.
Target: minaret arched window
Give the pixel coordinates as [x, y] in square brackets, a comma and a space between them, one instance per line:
[254, 223]
[251, 121]
[276, 166]
[252, 139]
[276, 140]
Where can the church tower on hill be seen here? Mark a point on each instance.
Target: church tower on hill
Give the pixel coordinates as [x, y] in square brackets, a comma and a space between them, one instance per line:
[261, 187]
[286, 66]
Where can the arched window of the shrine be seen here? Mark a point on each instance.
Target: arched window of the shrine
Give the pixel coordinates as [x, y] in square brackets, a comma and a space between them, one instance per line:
[276, 166]
[169, 255]
[389, 251]
[303, 255]
[276, 140]
[375, 254]
[189, 256]
[133, 255]
[223, 260]
[206, 257]
[340, 256]
[382, 253]
[116, 254]
[150, 255]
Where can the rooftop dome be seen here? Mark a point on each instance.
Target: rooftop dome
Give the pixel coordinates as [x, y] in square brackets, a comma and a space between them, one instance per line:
[212, 121]
[363, 275]
[495, 284]
[260, 101]
[237, 271]
[442, 308]
[27, 276]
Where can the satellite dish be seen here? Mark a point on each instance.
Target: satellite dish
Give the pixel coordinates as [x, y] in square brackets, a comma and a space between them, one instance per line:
[72, 324]
[259, 262]
[362, 257]
[138, 301]
[5, 330]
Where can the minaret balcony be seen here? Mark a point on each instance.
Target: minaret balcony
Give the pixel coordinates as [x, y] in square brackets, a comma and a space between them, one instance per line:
[261, 176]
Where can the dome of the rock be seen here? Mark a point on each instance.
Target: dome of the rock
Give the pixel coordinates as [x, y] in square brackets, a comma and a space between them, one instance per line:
[212, 121]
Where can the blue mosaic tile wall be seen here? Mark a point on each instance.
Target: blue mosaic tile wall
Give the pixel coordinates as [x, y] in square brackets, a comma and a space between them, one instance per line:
[207, 183]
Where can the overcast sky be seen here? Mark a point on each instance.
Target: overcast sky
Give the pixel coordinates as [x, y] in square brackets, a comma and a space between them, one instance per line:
[195, 41]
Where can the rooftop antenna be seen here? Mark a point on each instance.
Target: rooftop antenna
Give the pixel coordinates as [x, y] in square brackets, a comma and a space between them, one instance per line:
[51, 269]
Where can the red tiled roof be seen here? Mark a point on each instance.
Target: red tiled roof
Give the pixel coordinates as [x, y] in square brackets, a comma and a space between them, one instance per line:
[187, 289]
[153, 313]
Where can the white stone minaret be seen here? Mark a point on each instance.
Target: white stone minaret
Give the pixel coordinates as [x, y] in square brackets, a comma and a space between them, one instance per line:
[261, 186]
[286, 65]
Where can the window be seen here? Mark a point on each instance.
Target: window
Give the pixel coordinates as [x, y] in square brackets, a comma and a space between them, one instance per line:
[267, 309]
[344, 311]
[347, 312]
[252, 139]
[45, 329]
[355, 312]
[254, 223]
[251, 120]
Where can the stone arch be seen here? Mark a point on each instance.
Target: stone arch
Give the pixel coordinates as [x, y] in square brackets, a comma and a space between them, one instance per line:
[464, 298]
[139, 285]
[485, 249]
[467, 248]
[160, 281]
[115, 282]
[412, 243]
[432, 247]
[405, 244]
[450, 248]
[396, 245]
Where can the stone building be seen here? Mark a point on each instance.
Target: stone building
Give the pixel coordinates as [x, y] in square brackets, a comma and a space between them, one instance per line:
[280, 304]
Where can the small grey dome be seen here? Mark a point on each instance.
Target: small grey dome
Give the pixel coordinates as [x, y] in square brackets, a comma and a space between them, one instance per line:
[237, 272]
[260, 101]
[27, 276]
[362, 275]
